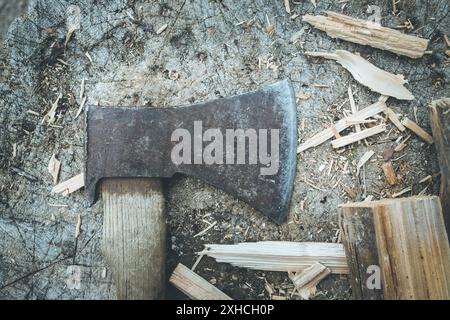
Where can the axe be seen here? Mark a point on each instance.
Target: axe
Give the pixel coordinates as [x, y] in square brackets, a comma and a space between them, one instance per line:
[244, 145]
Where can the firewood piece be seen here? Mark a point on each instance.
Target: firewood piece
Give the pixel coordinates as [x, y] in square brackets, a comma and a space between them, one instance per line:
[306, 281]
[194, 286]
[280, 255]
[414, 127]
[353, 137]
[440, 125]
[368, 33]
[341, 125]
[404, 243]
[389, 173]
[369, 75]
[394, 119]
[69, 186]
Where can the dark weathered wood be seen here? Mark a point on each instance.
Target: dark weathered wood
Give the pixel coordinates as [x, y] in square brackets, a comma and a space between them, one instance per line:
[440, 125]
[358, 236]
[406, 239]
[134, 233]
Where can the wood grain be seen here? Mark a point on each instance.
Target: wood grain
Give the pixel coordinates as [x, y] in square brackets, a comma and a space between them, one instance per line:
[440, 125]
[134, 233]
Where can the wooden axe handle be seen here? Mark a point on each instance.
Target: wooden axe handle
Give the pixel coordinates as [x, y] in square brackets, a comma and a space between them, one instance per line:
[134, 236]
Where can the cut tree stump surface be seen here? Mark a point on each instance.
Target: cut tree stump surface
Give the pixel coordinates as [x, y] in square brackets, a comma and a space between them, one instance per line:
[208, 50]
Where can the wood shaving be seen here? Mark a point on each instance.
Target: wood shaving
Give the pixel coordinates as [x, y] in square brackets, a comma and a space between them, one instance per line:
[367, 74]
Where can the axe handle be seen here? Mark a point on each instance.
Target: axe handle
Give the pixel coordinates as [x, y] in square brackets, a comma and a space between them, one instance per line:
[134, 236]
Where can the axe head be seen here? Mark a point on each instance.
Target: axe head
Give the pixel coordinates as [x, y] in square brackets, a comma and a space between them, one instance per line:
[244, 145]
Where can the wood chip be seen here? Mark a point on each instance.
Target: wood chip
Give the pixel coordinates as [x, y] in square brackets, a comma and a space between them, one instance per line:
[54, 165]
[341, 125]
[402, 192]
[205, 230]
[366, 156]
[34, 113]
[353, 122]
[394, 119]
[353, 137]
[194, 286]
[14, 153]
[414, 127]
[309, 278]
[82, 86]
[368, 33]
[287, 6]
[280, 255]
[402, 144]
[427, 178]
[78, 227]
[89, 57]
[353, 107]
[162, 29]
[368, 74]
[80, 109]
[50, 117]
[200, 257]
[389, 173]
[269, 288]
[302, 96]
[73, 184]
[447, 41]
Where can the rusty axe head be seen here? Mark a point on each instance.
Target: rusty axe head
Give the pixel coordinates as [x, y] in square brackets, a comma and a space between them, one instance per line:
[244, 145]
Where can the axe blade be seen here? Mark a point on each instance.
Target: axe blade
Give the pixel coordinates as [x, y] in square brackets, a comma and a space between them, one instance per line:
[137, 142]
